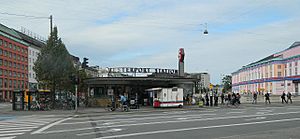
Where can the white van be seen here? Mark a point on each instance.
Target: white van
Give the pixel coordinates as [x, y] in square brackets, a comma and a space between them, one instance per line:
[167, 97]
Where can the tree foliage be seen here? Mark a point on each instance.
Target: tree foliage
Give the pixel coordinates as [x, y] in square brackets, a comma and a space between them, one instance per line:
[227, 83]
[54, 64]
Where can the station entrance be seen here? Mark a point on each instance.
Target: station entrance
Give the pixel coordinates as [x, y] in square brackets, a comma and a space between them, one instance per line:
[103, 90]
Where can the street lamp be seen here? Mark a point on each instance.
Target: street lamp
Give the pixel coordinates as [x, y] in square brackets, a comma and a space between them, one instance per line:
[205, 32]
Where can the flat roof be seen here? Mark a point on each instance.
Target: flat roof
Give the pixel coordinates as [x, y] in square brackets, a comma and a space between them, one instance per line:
[137, 80]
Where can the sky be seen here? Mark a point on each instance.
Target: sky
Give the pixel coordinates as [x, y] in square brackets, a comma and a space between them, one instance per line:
[144, 33]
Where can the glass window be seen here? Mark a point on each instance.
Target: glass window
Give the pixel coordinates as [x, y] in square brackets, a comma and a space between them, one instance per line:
[279, 66]
[1, 42]
[1, 82]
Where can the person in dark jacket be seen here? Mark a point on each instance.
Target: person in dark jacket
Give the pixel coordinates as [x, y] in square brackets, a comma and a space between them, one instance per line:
[254, 98]
[289, 97]
[267, 96]
[206, 99]
[283, 98]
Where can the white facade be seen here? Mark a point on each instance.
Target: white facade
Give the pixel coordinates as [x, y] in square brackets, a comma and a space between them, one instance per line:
[33, 53]
[205, 79]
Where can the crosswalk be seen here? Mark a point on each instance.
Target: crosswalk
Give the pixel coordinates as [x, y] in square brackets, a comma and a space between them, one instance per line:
[13, 126]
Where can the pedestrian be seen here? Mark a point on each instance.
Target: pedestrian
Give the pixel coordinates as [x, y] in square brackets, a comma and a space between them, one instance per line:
[206, 99]
[222, 98]
[203, 98]
[254, 98]
[283, 98]
[211, 98]
[289, 97]
[267, 96]
[187, 99]
[216, 98]
[233, 98]
[238, 98]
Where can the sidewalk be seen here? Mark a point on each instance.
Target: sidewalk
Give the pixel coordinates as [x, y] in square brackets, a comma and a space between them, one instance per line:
[261, 99]
[144, 109]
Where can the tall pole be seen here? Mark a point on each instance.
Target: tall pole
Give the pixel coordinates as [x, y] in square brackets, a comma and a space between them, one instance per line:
[76, 96]
[50, 24]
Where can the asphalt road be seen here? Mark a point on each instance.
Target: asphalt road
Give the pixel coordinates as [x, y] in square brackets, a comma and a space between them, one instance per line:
[269, 122]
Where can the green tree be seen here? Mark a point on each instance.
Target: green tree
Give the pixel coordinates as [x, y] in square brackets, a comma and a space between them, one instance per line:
[54, 65]
[226, 81]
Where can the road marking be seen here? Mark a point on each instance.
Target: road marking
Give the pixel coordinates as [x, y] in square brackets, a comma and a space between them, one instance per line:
[165, 122]
[25, 130]
[50, 125]
[8, 137]
[111, 123]
[14, 134]
[130, 115]
[182, 118]
[256, 118]
[21, 123]
[16, 128]
[141, 118]
[237, 112]
[196, 128]
[101, 132]
[266, 110]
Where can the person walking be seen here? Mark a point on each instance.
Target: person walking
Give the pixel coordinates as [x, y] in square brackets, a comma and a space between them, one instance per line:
[289, 97]
[211, 98]
[238, 98]
[222, 98]
[203, 98]
[206, 99]
[283, 98]
[216, 99]
[267, 96]
[254, 98]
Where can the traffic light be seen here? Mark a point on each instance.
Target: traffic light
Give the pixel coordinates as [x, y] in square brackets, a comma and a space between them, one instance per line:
[85, 62]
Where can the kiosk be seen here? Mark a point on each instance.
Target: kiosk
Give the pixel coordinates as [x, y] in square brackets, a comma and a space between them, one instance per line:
[18, 100]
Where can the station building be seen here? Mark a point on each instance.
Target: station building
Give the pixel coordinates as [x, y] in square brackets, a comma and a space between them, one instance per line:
[275, 74]
[103, 88]
[133, 82]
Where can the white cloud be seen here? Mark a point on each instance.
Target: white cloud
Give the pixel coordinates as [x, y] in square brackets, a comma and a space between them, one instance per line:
[149, 33]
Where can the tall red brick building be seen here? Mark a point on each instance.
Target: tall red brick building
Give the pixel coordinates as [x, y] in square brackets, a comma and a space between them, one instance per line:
[13, 62]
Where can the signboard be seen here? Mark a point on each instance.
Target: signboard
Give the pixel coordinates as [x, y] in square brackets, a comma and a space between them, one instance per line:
[141, 70]
[181, 55]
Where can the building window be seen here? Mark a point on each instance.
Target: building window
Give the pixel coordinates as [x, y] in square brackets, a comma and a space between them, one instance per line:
[279, 74]
[1, 42]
